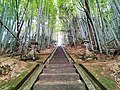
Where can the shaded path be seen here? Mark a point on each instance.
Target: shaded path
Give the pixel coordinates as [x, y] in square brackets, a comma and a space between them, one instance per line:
[59, 74]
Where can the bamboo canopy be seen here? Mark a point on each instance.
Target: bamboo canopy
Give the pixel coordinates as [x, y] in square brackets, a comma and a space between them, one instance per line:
[97, 21]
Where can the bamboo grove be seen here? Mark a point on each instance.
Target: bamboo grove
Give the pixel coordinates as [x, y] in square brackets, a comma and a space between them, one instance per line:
[97, 21]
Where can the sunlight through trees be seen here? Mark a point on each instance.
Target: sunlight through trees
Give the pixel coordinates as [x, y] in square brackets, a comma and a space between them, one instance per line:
[21, 21]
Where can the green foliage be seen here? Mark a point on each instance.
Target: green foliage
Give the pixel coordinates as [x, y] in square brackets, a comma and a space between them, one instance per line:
[108, 83]
[59, 15]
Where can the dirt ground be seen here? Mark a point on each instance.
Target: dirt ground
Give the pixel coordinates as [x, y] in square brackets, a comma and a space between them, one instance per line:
[43, 55]
[11, 67]
[105, 68]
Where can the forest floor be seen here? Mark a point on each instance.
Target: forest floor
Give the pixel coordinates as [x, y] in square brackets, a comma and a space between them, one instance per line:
[105, 69]
[13, 69]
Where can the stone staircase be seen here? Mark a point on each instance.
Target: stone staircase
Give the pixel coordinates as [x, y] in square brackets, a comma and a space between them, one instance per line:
[59, 74]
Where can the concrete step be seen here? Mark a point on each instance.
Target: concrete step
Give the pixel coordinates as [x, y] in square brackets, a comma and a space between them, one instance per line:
[60, 85]
[58, 65]
[59, 56]
[59, 62]
[59, 70]
[59, 77]
[59, 59]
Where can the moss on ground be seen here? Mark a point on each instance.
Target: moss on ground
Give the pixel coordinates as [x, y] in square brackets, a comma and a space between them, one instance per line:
[107, 81]
[12, 83]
